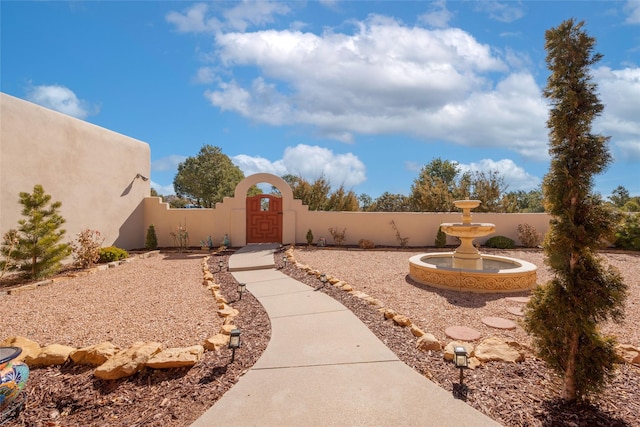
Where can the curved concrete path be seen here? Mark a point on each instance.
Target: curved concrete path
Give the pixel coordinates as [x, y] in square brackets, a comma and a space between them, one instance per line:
[324, 367]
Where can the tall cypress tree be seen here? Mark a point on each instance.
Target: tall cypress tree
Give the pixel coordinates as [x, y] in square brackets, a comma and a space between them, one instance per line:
[39, 252]
[564, 314]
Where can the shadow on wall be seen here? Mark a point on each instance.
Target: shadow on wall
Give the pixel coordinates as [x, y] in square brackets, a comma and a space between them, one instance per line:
[131, 232]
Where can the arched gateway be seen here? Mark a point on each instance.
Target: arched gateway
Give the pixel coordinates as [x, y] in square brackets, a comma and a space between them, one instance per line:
[268, 218]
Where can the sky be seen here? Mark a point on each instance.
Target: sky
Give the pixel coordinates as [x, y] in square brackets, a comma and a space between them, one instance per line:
[362, 93]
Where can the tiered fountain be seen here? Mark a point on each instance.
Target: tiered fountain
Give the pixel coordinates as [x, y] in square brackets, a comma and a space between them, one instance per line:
[468, 270]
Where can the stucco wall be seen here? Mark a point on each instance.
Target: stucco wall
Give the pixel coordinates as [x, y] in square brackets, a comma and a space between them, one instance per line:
[91, 170]
[229, 217]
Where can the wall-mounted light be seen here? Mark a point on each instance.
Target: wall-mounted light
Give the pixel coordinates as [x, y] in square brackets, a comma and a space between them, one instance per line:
[460, 359]
[142, 177]
[234, 342]
[241, 288]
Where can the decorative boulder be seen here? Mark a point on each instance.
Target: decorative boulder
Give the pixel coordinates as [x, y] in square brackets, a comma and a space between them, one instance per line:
[94, 355]
[54, 354]
[29, 348]
[628, 353]
[176, 357]
[428, 342]
[417, 332]
[402, 320]
[127, 362]
[216, 342]
[494, 348]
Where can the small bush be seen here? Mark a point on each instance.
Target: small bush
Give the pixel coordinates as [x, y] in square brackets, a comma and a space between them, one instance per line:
[309, 237]
[366, 244]
[441, 238]
[181, 237]
[528, 235]
[151, 242]
[112, 253]
[338, 236]
[402, 241]
[628, 235]
[500, 242]
[86, 249]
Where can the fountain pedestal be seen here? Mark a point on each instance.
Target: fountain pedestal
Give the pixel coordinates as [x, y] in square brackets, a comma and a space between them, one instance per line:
[466, 256]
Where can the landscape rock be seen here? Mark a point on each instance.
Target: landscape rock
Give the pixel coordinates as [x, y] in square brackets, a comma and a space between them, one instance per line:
[216, 342]
[51, 355]
[389, 313]
[494, 348]
[94, 355]
[127, 362]
[347, 288]
[428, 342]
[176, 357]
[29, 348]
[226, 329]
[417, 332]
[402, 320]
[628, 353]
[227, 311]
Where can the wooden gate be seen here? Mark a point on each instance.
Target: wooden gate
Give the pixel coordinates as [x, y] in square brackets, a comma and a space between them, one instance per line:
[264, 219]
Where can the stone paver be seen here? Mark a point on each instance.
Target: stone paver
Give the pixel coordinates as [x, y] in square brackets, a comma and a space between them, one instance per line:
[516, 311]
[499, 322]
[522, 300]
[462, 333]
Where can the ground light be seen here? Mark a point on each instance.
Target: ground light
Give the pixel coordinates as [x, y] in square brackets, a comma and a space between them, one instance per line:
[461, 360]
[323, 279]
[284, 260]
[234, 342]
[241, 288]
[220, 265]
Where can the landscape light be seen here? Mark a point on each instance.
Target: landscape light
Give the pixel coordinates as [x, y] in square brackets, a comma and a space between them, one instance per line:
[241, 288]
[323, 279]
[461, 359]
[234, 342]
[284, 260]
[220, 265]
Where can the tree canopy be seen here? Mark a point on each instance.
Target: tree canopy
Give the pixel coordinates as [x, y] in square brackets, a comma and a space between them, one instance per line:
[207, 178]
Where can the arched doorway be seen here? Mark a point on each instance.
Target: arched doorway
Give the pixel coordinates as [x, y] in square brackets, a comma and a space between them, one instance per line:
[264, 219]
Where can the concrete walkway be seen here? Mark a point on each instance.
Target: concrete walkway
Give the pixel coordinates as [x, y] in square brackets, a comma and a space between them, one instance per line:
[324, 367]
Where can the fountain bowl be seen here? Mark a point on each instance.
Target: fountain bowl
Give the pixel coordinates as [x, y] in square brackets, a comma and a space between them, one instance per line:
[499, 274]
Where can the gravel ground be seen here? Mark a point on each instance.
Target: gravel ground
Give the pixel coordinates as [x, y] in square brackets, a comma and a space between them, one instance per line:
[522, 394]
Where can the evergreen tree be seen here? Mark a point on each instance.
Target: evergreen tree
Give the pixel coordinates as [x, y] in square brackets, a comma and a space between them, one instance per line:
[39, 252]
[564, 314]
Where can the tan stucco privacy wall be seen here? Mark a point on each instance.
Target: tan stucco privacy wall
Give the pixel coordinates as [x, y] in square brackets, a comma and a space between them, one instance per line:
[91, 170]
[229, 217]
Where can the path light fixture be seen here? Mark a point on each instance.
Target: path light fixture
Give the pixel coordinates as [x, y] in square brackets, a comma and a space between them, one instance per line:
[241, 288]
[284, 260]
[220, 265]
[323, 279]
[234, 342]
[461, 359]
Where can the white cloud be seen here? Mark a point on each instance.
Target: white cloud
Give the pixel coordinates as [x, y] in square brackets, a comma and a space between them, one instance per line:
[514, 176]
[163, 190]
[503, 11]
[204, 75]
[632, 9]
[438, 15]
[309, 162]
[169, 163]
[629, 150]
[59, 98]
[385, 78]
[246, 13]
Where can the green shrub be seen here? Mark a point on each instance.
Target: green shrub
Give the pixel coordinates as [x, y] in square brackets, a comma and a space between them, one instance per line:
[441, 238]
[500, 242]
[151, 242]
[309, 237]
[111, 253]
[528, 235]
[628, 235]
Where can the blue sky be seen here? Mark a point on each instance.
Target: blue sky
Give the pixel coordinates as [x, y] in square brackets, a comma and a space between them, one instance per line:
[363, 93]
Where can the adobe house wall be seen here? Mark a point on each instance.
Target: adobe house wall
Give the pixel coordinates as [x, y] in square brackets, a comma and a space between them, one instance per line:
[91, 170]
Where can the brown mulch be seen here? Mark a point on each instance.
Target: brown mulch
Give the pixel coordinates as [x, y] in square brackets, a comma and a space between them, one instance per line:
[522, 394]
[71, 396]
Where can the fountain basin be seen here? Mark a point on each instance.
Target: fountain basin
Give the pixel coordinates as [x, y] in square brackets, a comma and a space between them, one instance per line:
[467, 230]
[498, 273]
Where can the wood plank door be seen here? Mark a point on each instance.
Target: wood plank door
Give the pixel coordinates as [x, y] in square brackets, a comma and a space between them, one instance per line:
[264, 219]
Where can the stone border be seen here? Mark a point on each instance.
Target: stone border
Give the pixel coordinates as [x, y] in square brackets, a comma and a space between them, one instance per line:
[489, 349]
[113, 362]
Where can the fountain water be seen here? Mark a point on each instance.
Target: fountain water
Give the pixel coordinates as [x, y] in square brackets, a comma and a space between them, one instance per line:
[466, 269]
